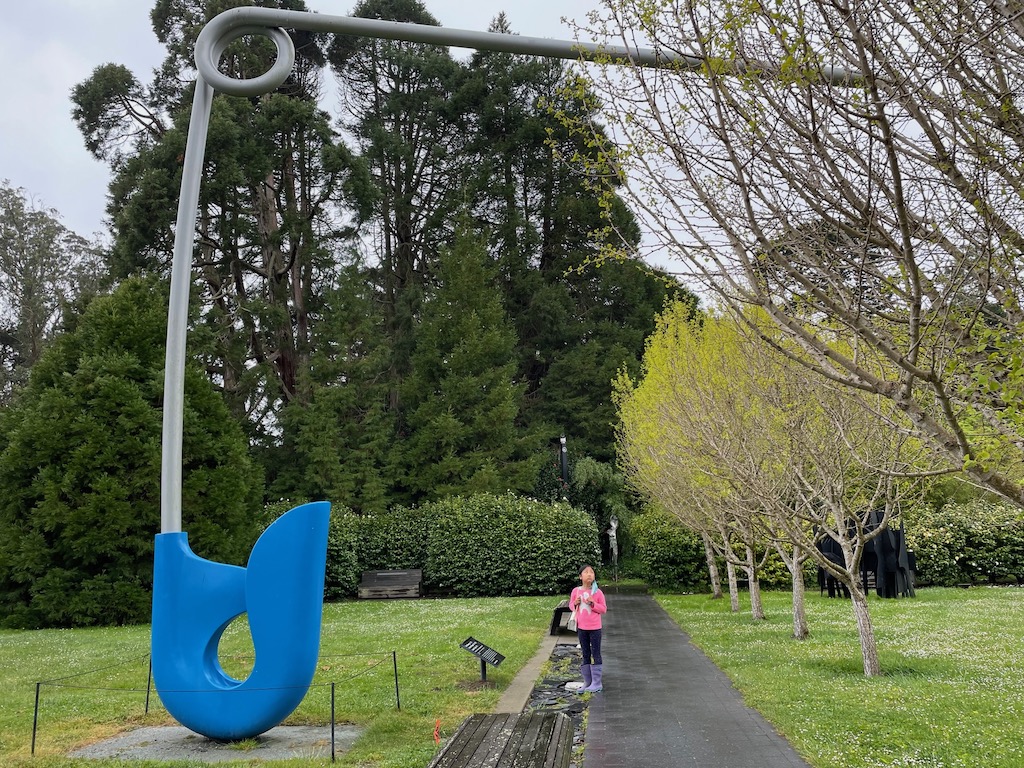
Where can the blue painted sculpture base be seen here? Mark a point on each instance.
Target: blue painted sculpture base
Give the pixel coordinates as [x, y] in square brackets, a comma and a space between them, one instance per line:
[194, 600]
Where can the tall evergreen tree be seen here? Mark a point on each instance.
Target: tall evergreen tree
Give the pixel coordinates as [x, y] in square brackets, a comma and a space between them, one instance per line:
[80, 471]
[44, 268]
[316, 352]
[462, 398]
[337, 441]
[615, 307]
[280, 195]
[400, 103]
[577, 322]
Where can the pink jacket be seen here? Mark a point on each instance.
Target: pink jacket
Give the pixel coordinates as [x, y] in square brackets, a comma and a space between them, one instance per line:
[589, 619]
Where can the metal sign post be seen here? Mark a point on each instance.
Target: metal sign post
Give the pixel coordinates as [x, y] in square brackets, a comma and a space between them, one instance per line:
[482, 652]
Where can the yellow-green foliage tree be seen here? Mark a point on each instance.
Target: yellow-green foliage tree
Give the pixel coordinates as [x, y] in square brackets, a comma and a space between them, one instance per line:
[747, 447]
[672, 427]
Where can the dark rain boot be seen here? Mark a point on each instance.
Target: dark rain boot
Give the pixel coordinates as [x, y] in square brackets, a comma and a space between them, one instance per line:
[595, 679]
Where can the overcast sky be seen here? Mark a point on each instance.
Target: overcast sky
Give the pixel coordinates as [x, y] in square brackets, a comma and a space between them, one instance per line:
[49, 46]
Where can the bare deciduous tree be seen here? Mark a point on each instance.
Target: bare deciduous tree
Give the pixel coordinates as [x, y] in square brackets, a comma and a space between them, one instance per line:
[876, 219]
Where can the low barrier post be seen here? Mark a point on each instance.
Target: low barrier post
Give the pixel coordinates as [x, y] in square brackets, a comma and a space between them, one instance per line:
[394, 664]
[149, 682]
[35, 720]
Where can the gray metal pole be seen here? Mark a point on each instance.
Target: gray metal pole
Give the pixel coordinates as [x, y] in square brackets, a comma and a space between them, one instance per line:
[177, 312]
[270, 22]
[181, 273]
[239, 21]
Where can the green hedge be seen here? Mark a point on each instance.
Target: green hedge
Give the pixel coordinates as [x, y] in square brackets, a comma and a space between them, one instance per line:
[343, 572]
[394, 539]
[483, 545]
[666, 554]
[391, 540]
[976, 541]
[507, 545]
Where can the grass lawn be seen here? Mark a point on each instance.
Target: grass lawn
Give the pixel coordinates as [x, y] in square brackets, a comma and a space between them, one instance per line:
[951, 694]
[437, 679]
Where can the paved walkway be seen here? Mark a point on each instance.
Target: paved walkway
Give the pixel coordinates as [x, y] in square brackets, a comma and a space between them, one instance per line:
[666, 705]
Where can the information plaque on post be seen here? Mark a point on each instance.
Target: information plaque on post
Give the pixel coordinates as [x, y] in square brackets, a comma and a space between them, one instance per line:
[482, 652]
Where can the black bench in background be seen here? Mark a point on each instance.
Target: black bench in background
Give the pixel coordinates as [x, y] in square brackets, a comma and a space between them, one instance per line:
[556, 616]
[532, 740]
[382, 584]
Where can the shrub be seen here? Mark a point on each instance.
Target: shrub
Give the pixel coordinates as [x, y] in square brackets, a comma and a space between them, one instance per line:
[965, 543]
[666, 554]
[394, 539]
[480, 545]
[490, 545]
[80, 457]
[343, 572]
[379, 542]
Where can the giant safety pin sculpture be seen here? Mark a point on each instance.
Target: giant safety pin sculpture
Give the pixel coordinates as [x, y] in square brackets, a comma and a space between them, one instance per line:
[281, 588]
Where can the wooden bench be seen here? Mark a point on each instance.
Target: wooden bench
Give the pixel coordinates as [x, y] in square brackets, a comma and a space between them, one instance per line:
[556, 616]
[383, 584]
[532, 740]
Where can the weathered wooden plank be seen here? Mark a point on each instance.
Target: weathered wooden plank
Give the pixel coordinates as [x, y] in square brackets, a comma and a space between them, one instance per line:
[462, 744]
[560, 747]
[382, 578]
[533, 740]
[367, 592]
[489, 752]
[533, 726]
[515, 740]
[488, 733]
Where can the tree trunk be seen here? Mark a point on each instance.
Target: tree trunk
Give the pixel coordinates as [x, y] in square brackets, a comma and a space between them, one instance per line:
[734, 595]
[754, 586]
[276, 293]
[866, 633]
[713, 574]
[756, 606]
[800, 629]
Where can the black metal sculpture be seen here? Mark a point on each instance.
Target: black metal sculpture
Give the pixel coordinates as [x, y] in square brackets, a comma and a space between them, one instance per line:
[830, 548]
[885, 557]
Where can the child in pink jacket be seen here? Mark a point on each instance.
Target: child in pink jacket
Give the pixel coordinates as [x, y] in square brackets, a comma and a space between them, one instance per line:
[587, 603]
